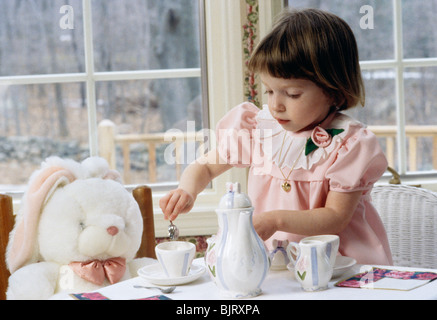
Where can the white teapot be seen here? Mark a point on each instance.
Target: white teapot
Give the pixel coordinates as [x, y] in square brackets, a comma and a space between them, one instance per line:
[236, 257]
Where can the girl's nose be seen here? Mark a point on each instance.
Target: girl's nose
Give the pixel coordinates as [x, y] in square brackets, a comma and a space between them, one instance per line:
[277, 105]
[112, 230]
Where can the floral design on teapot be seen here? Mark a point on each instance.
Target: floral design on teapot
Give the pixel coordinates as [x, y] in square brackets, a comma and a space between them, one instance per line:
[211, 257]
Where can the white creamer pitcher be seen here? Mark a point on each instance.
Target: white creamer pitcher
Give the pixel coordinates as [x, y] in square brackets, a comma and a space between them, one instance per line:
[236, 257]
[312, 266]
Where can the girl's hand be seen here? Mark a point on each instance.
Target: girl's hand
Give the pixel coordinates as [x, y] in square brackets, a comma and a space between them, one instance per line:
[175, 202]
[265, 224]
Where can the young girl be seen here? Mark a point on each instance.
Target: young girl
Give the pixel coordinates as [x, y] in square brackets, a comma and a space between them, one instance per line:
[318, 165]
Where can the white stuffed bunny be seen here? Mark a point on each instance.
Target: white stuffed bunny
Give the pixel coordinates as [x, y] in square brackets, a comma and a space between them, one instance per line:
[78, 230]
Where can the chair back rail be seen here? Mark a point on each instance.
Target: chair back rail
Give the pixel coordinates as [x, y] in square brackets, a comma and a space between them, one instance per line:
[6, 225]
[143, 196]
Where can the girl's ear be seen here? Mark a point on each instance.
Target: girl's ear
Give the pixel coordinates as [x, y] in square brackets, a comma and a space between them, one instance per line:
[339, 102]
[22, 247]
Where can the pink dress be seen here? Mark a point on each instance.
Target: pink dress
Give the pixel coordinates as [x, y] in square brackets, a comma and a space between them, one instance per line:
[353, 161]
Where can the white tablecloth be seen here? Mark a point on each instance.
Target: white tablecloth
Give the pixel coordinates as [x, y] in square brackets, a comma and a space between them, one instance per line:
[278, 285]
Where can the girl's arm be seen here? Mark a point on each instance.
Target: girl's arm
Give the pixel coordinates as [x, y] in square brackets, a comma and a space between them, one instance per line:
[194, 180]
[331, 219]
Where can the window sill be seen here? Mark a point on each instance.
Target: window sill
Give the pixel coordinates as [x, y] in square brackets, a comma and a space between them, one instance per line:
[425, 179]
[201, 221]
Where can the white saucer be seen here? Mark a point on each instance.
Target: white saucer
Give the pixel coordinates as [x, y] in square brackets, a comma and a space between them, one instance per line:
[155, 274]
[342, 264]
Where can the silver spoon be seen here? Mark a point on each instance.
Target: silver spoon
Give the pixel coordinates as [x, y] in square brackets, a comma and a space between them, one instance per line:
[163, 290]
[173, 231]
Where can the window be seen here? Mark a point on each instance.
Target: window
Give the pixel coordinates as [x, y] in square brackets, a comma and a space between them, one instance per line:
[71, 70]
[397, 42]
[100, 76]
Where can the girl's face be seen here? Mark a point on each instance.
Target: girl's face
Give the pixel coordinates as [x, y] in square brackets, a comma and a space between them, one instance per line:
[297, 104]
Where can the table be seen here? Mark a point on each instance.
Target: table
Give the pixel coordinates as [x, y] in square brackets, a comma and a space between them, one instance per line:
[278, 285]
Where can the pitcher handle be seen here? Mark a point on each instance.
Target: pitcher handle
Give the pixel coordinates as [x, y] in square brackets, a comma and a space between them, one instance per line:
[293, 251]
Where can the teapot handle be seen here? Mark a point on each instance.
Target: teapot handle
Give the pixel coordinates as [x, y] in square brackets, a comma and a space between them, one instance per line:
[293, 251]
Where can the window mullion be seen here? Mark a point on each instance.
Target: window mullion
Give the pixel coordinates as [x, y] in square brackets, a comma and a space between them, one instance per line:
[90, 81]
[148, 74]
[400, 101]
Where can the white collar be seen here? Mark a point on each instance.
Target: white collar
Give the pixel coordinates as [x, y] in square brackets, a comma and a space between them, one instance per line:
[292, 144]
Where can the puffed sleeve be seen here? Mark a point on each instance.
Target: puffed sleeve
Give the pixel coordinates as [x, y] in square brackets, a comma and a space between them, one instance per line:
[360, 163]
[234, 135]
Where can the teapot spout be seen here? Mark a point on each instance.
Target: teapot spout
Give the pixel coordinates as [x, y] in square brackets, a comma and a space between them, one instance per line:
[249, 248]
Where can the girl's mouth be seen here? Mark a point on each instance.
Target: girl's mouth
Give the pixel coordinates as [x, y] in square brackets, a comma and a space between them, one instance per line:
[282, 122]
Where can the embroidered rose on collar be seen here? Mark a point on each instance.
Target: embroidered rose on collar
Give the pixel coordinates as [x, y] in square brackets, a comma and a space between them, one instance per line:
[320, 138]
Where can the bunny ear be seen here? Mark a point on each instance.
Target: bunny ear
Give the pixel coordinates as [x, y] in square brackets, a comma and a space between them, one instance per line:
[98, 167]
[23, 243]
[113, 175]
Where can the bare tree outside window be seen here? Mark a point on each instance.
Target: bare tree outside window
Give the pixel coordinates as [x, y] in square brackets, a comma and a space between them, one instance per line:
[41, 117]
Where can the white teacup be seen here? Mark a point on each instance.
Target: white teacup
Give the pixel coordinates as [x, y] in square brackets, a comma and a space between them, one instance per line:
[175, 257]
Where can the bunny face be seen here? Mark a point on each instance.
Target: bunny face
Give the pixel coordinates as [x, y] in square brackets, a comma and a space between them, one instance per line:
[89, 219]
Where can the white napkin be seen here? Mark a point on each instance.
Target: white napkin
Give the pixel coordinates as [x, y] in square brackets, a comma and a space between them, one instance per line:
[395, 284]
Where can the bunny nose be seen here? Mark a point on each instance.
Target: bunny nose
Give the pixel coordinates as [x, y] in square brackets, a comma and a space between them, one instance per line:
[112, 230]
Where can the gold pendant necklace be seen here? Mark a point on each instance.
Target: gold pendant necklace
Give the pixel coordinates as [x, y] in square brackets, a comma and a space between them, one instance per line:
[286, 186]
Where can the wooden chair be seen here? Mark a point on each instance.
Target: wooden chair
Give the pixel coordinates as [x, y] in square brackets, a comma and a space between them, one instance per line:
[6, 224]
[143, 196]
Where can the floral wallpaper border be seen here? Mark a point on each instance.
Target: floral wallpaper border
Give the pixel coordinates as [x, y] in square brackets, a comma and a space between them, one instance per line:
[250, 30]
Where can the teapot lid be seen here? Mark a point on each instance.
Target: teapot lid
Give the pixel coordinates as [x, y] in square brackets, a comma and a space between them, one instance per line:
[234, 198]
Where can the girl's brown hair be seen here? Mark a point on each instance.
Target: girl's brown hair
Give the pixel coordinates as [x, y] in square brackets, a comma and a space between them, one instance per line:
[315, 45]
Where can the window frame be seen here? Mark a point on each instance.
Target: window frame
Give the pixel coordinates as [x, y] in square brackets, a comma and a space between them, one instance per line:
[399, 64]
[90, 78]
[222, 81]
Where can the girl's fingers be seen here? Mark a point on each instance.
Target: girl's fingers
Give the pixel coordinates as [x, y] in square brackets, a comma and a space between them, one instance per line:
[163, 201]
[184, 204]
[171, 204]
[175, 202]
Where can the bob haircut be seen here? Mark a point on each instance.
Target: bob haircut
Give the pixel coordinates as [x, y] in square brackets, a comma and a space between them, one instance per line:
[314, 45]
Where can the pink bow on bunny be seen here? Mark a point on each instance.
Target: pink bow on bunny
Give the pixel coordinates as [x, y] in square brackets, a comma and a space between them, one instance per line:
[95, 271]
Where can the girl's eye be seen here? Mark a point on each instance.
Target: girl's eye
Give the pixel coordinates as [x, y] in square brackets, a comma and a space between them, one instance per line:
[294, 96]
[269, 92]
